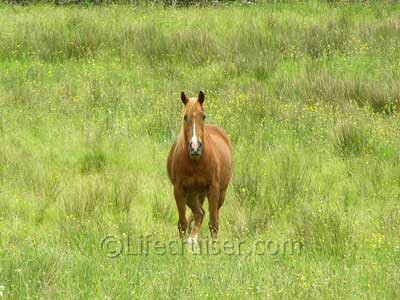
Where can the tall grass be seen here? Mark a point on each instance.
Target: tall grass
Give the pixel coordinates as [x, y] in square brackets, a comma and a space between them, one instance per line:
[89, 107]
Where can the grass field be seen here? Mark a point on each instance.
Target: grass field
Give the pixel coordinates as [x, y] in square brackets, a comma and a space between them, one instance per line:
[89, 106]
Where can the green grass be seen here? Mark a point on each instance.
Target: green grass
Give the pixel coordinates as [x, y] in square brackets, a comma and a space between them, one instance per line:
[89, 107]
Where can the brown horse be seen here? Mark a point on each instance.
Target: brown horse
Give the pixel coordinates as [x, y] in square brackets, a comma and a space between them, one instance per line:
[199, 165]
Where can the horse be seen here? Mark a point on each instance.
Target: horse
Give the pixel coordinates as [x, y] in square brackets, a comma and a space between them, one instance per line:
[199, 165]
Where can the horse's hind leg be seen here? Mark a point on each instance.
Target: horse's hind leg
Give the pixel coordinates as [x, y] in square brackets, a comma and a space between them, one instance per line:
[190, 221]
[198, 215]
[213, 206]
[221, 200]
[202, 198]
[191, 217]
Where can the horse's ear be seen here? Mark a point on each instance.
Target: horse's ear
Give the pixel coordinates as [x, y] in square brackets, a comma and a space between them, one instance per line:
[184, 98]
[201, 97]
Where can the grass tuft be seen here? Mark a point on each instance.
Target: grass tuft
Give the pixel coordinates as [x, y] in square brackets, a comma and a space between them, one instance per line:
[93, 162]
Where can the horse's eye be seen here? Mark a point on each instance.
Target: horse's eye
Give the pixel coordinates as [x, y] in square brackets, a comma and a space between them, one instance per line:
[204, 117]
[185, 117]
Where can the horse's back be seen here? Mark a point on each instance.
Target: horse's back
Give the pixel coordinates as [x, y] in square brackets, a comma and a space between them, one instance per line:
[219, 133]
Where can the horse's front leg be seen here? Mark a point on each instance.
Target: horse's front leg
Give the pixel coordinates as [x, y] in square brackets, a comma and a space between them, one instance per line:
[213, 205]
[181, 205]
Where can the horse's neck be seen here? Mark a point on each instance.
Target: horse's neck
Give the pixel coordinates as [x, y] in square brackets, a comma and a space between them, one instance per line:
[180, 142]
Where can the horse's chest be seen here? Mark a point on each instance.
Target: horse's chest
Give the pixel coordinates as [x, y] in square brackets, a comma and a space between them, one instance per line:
[196, 182]
[194, 176]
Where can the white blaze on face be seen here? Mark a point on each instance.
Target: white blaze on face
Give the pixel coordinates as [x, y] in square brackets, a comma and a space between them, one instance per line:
[194, 141]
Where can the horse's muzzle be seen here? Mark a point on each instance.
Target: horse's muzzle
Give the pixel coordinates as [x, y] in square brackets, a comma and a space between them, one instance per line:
[195, 150]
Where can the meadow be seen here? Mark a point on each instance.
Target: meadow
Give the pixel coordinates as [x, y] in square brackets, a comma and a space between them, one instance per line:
[90, 104]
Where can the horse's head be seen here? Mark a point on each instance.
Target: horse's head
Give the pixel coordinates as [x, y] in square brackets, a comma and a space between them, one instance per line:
[193, 123]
